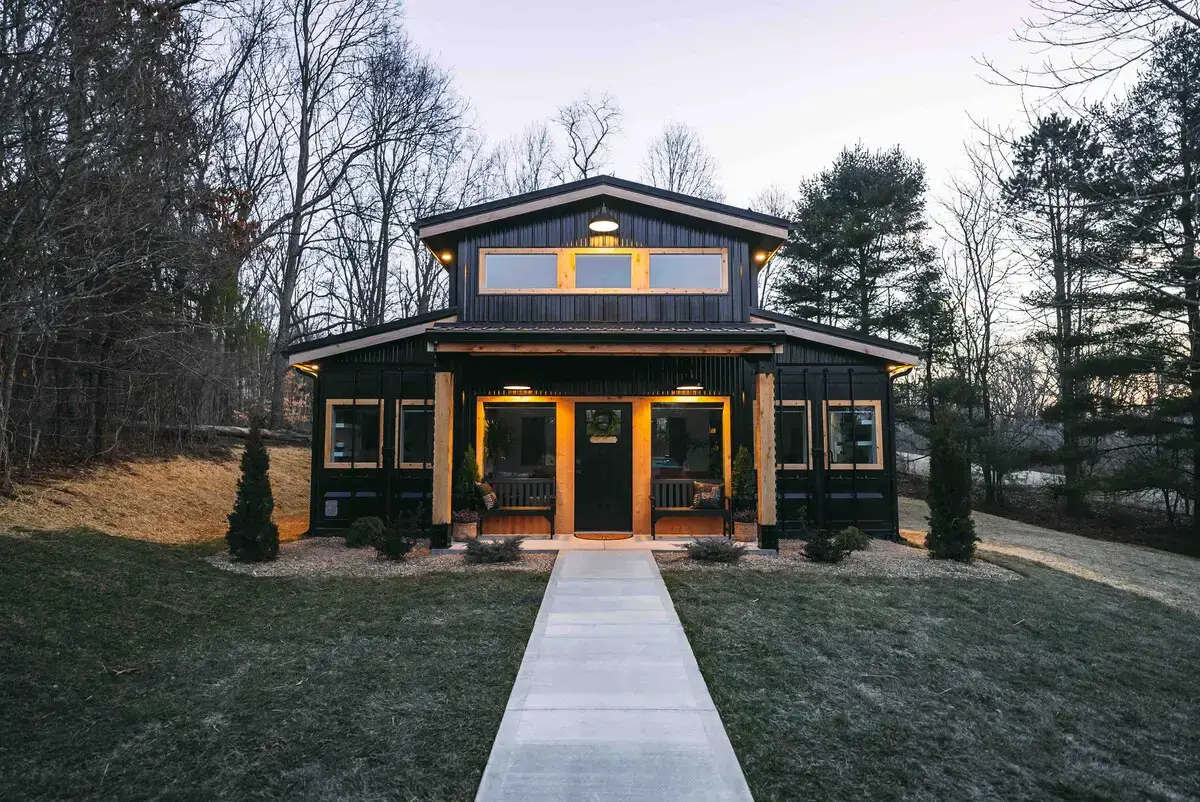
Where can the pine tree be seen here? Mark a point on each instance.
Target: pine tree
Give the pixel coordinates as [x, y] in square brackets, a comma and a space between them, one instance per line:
[252, 536]
[951, 530]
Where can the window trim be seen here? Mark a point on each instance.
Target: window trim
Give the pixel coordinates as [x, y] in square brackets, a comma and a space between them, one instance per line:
[850, 466]
[330, 403]
[639, 278]
[423, 403]
[798, 466]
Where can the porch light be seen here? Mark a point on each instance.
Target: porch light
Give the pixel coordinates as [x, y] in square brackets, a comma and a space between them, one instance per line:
[446, 257]
[760, 256]
[516, 388]
[603, 223]
[690, 387]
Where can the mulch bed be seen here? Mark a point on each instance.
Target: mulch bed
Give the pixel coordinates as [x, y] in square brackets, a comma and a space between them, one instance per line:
[322, 557]
[882, 559]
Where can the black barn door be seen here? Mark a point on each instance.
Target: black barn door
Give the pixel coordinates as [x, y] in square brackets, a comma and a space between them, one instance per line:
[603, 467]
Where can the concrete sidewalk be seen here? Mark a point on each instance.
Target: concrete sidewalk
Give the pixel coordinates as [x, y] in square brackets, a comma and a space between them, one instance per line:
[609, 703]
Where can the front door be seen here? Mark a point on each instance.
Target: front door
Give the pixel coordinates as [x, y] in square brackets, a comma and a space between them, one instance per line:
[603, 467]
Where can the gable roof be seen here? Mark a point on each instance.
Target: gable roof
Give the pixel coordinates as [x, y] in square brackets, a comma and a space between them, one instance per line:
[597, 187]
[801, 329]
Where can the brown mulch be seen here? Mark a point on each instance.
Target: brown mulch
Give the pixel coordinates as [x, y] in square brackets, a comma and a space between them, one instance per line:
[321, 557]
[183, 499]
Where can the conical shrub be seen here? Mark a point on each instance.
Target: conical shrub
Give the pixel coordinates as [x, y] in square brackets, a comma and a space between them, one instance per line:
[951, 529]
[252, 537]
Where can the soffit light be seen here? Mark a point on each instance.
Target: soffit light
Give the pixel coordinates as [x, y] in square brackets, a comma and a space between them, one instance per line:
[516, 388]
[690, 387]
[760, 256]
[446, 257]
[603, 223]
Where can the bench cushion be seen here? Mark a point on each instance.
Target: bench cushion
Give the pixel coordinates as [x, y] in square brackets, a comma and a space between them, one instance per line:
[707, 496]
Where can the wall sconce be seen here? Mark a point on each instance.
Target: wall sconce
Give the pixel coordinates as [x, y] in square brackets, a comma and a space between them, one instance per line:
[446, 256]
[760, 256]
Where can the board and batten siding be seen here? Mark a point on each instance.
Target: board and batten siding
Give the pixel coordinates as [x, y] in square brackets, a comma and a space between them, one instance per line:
[569, 230]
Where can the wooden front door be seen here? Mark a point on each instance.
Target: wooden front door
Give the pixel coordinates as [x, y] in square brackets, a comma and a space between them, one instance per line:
[603, 467]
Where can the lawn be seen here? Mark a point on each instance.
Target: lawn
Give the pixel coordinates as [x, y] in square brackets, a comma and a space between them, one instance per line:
[1050, 687]
[132, 670]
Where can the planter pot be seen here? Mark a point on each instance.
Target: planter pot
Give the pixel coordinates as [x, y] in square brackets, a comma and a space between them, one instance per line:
[744, 532]
[464, 532]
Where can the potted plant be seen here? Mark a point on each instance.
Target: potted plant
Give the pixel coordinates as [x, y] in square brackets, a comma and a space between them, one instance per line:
[466, 525]
[497, 440]
[745, 513]
[466, 498]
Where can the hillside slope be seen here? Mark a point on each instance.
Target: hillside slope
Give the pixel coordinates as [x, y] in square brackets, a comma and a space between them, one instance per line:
[178, 500]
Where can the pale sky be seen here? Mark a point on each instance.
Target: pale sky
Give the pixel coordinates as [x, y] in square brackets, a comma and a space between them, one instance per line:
[774, 88]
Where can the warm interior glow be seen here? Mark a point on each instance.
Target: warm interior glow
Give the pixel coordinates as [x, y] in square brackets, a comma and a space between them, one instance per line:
[603, 223]
[516, 387]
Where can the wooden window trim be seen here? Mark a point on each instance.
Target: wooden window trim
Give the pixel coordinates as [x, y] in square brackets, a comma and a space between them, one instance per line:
[330, 403]
[798, 466]
[425, 403]
[639, 278]
[850, 466]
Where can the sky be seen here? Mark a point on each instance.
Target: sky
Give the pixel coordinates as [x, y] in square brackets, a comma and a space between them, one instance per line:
[775, 89]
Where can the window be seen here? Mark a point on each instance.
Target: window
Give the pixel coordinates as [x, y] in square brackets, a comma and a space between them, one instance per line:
[352, 433]
[518, 441]
[687, 441]
[793, 436]
[519, 271]
[853, 434]
[595, 270]
[414, 433]
[646, 271]
[687, 271]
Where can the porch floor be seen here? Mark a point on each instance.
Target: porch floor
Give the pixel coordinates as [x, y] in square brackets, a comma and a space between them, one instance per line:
[609, 702]
[542, 543]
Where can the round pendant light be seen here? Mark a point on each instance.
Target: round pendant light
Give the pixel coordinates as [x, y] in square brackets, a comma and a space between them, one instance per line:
[603, 223]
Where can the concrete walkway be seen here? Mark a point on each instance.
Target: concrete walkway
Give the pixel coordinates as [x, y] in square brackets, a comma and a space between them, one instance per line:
[609, 703]
[1170, 578]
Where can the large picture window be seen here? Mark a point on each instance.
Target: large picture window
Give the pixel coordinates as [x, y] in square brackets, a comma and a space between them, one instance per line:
[854, 438]
[603, 270]
[352, 433]
[519, 441]
[793, 445]
[687, 441]
[414, 420]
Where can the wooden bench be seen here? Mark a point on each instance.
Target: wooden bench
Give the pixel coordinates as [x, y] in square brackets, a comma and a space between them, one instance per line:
[523, 497]
[673, 498]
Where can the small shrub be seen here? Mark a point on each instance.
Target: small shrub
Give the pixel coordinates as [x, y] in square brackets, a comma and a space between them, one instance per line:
[742, 480]
[252, 536]
[363, 532]
[746, 516]
[712, 550]
[466, 517]
[505, 550]
[951, 530]
[823, 546]
[854, 539]
[392, 542]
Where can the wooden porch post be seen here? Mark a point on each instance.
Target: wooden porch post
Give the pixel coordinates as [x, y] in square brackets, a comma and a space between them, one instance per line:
[764, 453]
[443, 455]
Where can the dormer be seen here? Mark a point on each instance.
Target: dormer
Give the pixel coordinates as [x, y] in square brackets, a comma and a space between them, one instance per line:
[603, 250]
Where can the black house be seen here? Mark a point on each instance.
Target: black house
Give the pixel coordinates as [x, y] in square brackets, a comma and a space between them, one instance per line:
[604, 335]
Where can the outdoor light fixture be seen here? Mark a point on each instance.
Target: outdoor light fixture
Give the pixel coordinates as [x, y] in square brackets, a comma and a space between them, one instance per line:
[690, 387]
[603, 223]
[446, 256]
[760, 256]
[516, 388]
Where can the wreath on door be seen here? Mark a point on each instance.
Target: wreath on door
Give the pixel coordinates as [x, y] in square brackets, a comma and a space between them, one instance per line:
[603, 426]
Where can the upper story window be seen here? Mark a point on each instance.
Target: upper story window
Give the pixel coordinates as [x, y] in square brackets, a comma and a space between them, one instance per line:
[603, 270]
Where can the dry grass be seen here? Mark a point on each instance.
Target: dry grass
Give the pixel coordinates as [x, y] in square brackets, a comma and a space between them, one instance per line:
[178, 500]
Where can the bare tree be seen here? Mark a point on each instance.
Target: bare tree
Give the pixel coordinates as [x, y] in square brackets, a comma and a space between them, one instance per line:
[773, 201]
[587, 123]
[526, 162]
[978, 267]
[677, 160]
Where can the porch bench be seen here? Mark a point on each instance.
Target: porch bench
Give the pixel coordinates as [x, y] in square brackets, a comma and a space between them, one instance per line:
[516, 497]
[673, 498]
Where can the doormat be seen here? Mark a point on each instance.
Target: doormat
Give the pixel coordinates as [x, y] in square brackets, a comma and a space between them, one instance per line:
[603, 535]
